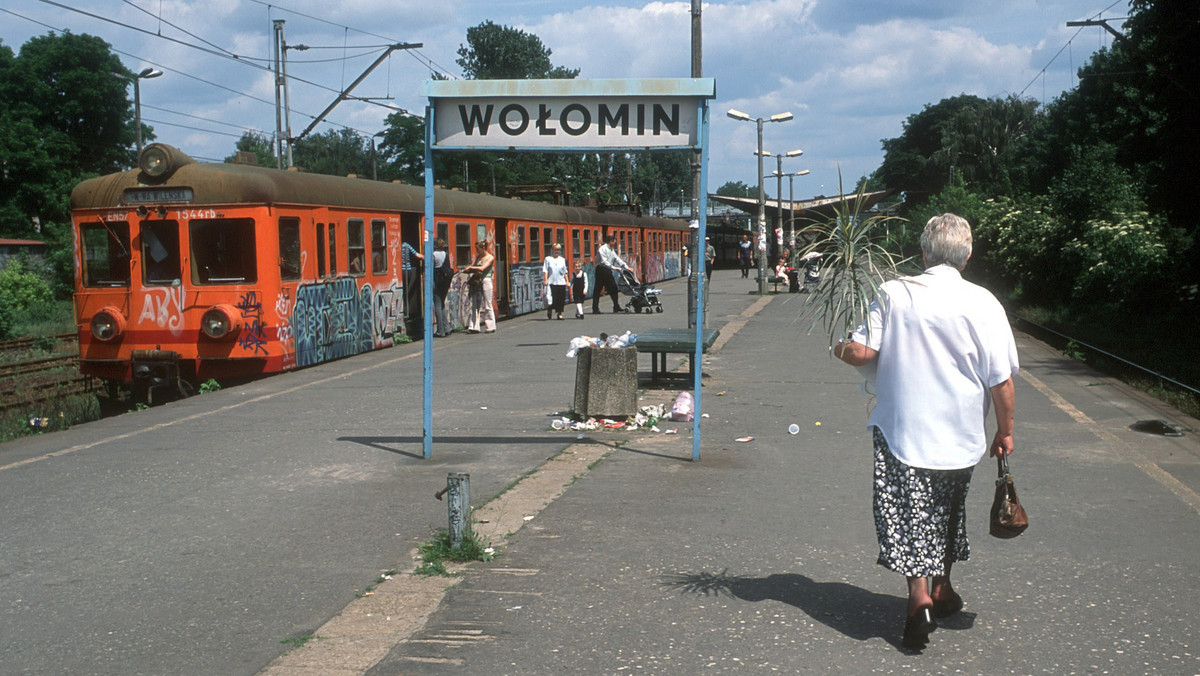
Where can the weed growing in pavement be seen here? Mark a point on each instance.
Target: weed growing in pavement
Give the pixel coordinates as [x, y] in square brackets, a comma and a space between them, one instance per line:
[294, 642]
[209, 385]
[437, 551]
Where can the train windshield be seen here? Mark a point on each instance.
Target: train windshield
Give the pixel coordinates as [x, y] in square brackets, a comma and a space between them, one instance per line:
[223, 251]
[160, 252]
[105, 254]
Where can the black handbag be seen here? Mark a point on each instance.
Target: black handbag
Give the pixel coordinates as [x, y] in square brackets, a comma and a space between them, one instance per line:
[1008, 518]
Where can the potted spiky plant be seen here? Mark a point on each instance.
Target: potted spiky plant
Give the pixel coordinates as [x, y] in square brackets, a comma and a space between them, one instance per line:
[854, 264]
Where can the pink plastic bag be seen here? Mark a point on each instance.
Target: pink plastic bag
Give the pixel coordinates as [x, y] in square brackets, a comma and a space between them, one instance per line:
[681, 410]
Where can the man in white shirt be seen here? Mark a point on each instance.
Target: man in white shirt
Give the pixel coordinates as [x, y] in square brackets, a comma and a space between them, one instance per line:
[938, 352]
[608, 265]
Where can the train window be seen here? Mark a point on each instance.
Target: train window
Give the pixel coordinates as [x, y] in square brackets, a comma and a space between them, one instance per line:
[356, 247]
[520, 244]
[587, 243]
[442, 229]
[160, 253]
[548, 241]
[462, 244]
[379, 246]
[223, 251]
[574, 244]
[289, 248]
[105, 254]
[621, 244]
[535, 250]
[320, 249]
[333, 266]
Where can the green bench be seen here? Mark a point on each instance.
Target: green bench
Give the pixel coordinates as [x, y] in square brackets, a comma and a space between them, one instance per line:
[659, 342]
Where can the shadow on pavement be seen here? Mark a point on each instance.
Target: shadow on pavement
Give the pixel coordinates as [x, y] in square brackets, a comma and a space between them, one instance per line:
[851, 610]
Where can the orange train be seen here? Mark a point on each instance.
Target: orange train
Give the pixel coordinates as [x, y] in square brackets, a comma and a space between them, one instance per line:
[188, 271]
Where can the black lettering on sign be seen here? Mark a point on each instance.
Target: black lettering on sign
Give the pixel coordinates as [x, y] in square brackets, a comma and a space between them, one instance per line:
[574, 119]
[610, 119]
[474, 119]
[521, 113]
[543, 116]
[564, 120]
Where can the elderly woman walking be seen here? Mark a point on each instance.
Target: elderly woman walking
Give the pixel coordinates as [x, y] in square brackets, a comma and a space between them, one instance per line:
[938, 352]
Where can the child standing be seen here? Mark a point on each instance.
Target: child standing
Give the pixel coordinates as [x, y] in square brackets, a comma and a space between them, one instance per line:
[579, 288]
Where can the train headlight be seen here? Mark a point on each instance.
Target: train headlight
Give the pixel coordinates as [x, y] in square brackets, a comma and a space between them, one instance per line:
[220, 321]
[159, 160]
[108, 324]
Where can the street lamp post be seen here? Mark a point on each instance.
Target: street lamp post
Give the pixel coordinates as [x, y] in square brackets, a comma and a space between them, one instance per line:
[778, 174]
[762, 216]
[792, 207]
[146, 74]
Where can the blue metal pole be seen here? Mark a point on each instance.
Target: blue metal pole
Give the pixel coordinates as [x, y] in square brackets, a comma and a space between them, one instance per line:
[701, 278]
[427, 375]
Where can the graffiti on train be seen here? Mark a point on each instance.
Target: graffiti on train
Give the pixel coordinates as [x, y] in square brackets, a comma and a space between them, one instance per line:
[332, 319]
[527, 284]
[251, 336]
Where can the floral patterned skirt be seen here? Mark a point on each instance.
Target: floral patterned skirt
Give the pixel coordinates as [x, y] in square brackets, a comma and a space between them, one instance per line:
[920, 514]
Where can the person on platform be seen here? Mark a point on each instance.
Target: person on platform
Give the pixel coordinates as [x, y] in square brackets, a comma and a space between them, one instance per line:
[554, 276]
[938, 352]
[443, 276]
[608, 265]
[482, 272]
[710, 258]
[745, 255]
[579, 288]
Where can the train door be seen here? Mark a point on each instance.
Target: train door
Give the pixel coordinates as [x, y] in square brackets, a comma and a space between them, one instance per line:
[411, 234]
[500, 251]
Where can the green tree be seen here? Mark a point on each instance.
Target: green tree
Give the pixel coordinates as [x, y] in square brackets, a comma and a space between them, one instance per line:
[917, 162]
[737, 189]
[337, 152]
[260, 145]
[495, 52]
[63, 116]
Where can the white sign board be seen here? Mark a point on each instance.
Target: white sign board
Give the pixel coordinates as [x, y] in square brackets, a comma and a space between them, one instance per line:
[554, 114]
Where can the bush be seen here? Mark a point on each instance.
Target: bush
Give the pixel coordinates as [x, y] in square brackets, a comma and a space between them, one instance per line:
[23, 295]
[1118, 260]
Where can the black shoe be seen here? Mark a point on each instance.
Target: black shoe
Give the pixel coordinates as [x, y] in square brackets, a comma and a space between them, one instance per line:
[596, 312]
[917, 629]
[578, 315]
[948, 606]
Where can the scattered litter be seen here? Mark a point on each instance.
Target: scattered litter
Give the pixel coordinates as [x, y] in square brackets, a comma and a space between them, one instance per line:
[483, 408]
[744, 439]
[681, 410]
[672, 431]
[529, 518]
[514, 608]
[557, 424]
[818, 423]
[721, 393]
[703, 415]
[604, 340]
[793, 429]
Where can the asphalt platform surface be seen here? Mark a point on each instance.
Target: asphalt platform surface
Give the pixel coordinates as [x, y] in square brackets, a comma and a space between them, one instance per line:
[196, 537]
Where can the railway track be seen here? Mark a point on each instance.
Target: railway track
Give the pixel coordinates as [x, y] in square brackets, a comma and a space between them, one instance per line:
[28, 382]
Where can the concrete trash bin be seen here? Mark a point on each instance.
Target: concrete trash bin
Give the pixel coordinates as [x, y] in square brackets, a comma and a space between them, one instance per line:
[606, 382]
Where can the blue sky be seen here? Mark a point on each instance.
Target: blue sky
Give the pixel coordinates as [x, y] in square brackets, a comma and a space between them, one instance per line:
[850, 71]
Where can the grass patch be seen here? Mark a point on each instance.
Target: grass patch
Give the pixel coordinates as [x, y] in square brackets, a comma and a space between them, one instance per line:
[437, 551]
[50, 416]
[293, 642]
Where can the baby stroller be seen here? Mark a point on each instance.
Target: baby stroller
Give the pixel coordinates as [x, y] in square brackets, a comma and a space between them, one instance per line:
[812, 270]
[641, 296]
